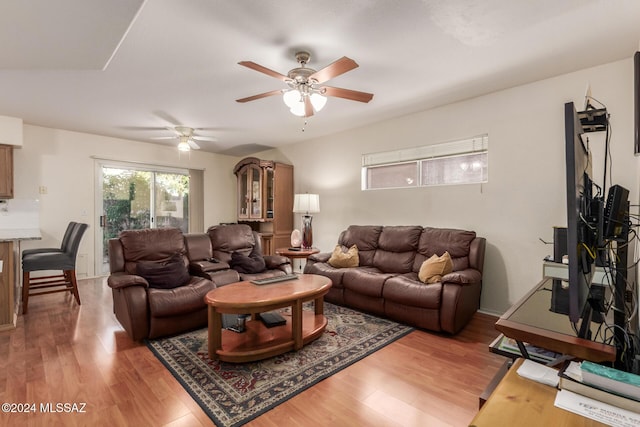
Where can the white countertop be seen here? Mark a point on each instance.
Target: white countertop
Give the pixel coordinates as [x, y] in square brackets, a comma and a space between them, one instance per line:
[9, 234]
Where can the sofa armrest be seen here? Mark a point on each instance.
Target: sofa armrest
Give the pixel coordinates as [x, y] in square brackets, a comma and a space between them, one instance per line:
[275, 261]
[319, 257]
[463, 277]
[123, 280]
[199, 268]
[476, 253]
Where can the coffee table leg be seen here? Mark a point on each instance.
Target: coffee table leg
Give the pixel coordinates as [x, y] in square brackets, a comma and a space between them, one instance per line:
[215, 333]
[318, 303]
[296, 324]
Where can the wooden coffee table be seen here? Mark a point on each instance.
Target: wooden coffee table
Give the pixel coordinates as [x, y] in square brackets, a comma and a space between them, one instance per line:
[257, 341]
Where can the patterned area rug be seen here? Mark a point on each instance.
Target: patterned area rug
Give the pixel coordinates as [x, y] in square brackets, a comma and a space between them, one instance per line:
[233, 394]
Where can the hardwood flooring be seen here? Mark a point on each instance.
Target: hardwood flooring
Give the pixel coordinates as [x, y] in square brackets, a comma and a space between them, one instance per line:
[62, 353]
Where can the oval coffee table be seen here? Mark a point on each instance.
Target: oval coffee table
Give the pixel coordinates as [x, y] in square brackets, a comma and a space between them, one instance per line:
[257, 341]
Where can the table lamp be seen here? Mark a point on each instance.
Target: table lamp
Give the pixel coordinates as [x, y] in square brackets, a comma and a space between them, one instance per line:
[306, 204]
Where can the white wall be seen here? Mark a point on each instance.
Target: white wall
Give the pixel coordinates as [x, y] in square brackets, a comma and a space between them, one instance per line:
[523, 200]
[62, 162]
[525, 195]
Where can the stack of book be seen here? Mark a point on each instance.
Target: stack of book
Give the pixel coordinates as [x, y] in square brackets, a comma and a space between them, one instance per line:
[608, 385]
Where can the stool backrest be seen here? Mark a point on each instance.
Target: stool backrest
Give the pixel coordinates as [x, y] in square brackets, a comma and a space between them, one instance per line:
[75, 238]
[67, 236]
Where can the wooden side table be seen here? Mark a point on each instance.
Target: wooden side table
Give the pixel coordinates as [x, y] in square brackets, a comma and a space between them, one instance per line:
[523, 402]
[297, 254]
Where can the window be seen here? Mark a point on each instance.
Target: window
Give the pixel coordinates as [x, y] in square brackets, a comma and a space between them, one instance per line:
[458, 162]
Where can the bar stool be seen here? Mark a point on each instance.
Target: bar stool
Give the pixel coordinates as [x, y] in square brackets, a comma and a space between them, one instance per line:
[63, 260]
[63, 246]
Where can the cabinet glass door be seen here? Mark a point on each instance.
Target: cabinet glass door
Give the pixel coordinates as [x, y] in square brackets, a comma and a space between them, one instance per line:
[243, 194]
[270, 191]
[256, 193]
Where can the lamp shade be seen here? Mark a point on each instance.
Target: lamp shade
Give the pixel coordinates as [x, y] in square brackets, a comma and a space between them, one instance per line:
[306, 203]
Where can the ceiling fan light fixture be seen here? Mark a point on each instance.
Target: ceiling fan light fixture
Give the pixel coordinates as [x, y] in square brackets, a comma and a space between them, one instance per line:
[292, 97]
[183, 145]
[318, 101]
[298, 109]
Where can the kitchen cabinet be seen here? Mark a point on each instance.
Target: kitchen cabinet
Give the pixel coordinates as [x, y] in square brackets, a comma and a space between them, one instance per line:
[6, 172]
[7, 286]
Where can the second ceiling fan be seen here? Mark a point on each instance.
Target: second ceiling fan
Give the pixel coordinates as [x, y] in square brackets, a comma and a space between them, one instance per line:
[187, 137]
[306, 93]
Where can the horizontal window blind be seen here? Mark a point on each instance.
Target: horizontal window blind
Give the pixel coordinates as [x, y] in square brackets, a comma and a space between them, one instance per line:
[471, 145]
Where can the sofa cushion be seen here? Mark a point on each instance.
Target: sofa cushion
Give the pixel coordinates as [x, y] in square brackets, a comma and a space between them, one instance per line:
[254, 263]
[434, 268]
[227, 239]
[408, 290]
[365, 237]
[365, 281]
[397, 246]
[438, 240]
[177, 301]
[153, 244]
[344, 259]
[400, 238]
[164, 275]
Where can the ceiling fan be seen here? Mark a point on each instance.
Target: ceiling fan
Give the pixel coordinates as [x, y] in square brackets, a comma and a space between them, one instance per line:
[306, 93]
[187, 137]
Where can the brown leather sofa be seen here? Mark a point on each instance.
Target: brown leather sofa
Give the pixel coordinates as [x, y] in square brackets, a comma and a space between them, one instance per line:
[150, 312]
[386, 280]
[212, 255]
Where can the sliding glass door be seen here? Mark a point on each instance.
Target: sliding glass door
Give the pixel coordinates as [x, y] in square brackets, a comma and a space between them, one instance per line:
[138, 197]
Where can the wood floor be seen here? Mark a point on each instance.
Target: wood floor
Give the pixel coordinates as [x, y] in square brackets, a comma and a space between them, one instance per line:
[62, 353]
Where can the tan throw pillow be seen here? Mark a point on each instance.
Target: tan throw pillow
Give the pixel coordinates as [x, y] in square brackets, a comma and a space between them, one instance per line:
[340, 259]
[432, 269]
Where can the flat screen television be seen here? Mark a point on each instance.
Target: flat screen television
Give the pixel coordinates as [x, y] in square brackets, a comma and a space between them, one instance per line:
[582, 213]
[636, 102]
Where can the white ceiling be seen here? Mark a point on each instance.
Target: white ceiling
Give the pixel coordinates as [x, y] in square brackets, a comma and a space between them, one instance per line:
[130, 68]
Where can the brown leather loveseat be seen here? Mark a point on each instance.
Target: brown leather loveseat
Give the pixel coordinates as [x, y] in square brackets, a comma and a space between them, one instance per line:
[153, 293]
[232, 253]
[386, 280]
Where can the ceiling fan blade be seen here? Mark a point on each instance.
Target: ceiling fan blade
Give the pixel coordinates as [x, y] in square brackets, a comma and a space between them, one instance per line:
[142, 128]
[174, 130]
[353, 95]
[204, 138]
[265, 70]
[308, 107]
[164, 137]
[262, 95]
[167, 117]
[193, 144]
[334, 69]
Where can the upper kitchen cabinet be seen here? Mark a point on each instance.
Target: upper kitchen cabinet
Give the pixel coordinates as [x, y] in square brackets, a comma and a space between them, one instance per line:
[6, 172]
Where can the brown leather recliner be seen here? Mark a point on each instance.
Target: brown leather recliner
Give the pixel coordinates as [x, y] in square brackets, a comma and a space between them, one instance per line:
[202, 263]
[214, 259]
[151, 312]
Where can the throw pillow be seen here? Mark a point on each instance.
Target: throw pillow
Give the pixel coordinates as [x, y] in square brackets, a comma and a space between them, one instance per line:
[341, 259]
[164, 275]
[432, 269]
[254, 263]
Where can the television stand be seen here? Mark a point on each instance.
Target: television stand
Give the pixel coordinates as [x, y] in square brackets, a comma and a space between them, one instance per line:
[530, 320]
